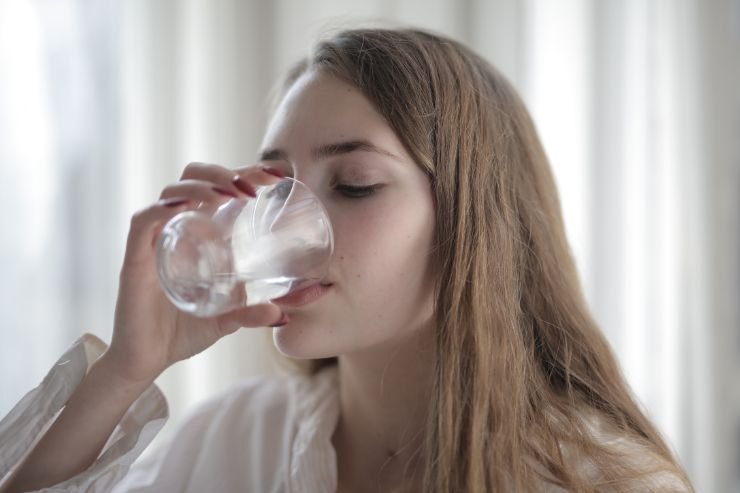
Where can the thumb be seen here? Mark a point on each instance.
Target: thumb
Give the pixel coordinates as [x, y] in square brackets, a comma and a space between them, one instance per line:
[262, 315]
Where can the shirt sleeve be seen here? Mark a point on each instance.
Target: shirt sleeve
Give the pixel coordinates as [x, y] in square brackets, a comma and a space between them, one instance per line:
[31, 417]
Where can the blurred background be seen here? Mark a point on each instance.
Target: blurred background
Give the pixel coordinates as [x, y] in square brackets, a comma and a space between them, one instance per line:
[102, 103]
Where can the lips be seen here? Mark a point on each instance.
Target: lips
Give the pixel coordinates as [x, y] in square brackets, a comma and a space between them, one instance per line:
[303, 296]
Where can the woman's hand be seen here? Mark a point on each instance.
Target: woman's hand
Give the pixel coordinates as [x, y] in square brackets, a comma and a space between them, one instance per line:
[149, 333]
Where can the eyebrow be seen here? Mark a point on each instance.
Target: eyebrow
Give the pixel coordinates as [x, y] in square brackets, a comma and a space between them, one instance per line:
[328, 150]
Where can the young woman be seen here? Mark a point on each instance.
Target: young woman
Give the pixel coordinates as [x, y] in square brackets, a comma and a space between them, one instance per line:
[449, 349]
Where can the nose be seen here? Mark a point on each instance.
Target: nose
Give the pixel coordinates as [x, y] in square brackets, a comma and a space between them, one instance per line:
[306, 172]
[308, 175]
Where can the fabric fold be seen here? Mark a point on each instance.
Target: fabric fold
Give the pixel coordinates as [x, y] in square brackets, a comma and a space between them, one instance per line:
[27, 422]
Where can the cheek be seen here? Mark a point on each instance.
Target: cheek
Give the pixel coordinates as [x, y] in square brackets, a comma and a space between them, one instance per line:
[383, 252]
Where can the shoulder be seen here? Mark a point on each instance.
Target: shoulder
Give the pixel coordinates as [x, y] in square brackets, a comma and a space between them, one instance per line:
[656, 473]
[261, 400]
[258, 392]
[268, 402]
[243, 436]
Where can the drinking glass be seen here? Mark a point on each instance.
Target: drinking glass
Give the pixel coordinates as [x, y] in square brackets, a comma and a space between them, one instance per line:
[247, 251]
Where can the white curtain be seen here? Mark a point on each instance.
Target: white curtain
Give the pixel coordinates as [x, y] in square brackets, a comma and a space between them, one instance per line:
[61, 203]
[102, 104]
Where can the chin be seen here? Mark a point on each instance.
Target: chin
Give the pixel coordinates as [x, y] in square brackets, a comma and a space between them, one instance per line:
[300, 342]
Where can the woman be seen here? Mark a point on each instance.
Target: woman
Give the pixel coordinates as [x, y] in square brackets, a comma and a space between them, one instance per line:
[450, 347]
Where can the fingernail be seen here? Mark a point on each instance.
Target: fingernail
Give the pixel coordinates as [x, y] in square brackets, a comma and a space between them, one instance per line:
[244, 186]
[224, 192]
[273, 172]
[175, 202]
[283, 320]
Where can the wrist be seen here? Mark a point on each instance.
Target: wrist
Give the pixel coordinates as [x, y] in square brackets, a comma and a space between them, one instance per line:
[108, 372]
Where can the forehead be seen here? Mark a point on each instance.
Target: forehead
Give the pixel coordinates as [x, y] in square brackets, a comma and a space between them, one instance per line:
[322, 108]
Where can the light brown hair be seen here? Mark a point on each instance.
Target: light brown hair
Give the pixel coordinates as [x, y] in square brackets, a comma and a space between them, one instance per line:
[527, 391]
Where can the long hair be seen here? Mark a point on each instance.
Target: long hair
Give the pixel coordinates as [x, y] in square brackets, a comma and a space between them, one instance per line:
[526, 387]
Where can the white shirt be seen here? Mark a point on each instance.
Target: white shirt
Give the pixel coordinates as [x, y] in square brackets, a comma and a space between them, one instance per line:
[268, 434]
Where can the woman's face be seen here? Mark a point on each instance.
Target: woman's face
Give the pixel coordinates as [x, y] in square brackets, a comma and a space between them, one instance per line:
[381, 208]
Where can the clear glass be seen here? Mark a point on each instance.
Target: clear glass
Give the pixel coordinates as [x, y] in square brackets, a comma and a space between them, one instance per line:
[247, 251]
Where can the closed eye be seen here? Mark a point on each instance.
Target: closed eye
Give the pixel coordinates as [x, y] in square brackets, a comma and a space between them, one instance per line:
[355, 192]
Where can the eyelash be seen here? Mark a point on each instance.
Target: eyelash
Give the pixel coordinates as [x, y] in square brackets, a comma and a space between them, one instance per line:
[353, 192]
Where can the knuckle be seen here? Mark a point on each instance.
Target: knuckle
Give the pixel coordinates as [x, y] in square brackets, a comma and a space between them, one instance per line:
[225, 328]
[191, 169]
[167, 190]
[139, 218]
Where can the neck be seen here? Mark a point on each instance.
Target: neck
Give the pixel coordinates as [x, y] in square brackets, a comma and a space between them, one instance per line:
[384, 394]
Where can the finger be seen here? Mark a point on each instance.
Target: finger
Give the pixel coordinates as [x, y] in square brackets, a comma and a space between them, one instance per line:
[198, 190]
[262, 315]
[147, 224]
[218, 176]
[241, 181]
[264, 173]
